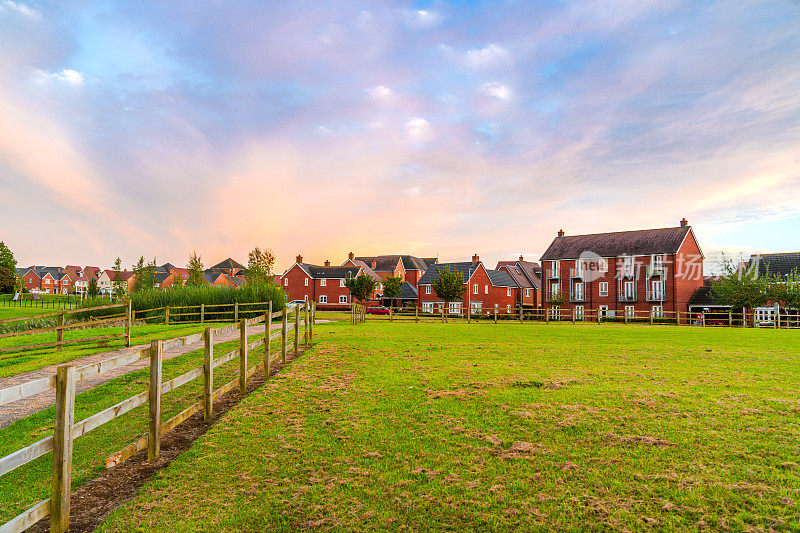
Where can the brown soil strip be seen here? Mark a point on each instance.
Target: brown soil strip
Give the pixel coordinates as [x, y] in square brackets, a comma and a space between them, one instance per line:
[94, 501]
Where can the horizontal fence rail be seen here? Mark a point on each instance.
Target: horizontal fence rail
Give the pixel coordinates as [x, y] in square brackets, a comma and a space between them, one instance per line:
[65, 379]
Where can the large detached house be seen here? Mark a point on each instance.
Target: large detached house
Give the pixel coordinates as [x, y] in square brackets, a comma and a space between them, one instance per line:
[647, 270]
[322, 284]
[406, 267]
[486, 289]
[47, 280]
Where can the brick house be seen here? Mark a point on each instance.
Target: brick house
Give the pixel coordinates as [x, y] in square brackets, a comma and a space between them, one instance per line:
[641, 271]
[219, 279]
[324, 285]
[527, 274]
[105, 281]
[47, 280]
[229, 267]
[79, 281]
[406, 267]
[486, 289]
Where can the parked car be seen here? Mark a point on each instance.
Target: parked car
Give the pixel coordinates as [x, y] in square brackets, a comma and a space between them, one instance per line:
[378, 310]
[295, 303]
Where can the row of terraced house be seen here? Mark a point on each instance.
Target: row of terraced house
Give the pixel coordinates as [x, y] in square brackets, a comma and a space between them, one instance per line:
[616, 273]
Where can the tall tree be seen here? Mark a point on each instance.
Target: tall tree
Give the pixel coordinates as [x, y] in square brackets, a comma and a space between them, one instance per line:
[119, 287]
[742, 288]
[196, 271]
[391, 288]
[449, 286]
[92, 288]
[259, 265]
[144, 275]
[361, 287]
[8, 269]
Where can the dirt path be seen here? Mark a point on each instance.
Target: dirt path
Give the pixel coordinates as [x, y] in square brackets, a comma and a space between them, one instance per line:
[14, 411]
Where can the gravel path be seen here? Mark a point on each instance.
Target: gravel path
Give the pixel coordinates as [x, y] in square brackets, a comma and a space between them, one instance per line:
[27, 406]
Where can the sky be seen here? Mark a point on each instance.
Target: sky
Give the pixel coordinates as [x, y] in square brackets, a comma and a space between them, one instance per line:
[438, 129]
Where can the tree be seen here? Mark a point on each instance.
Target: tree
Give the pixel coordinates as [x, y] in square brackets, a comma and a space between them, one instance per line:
[742, 288]
[361, 287]
[19, 285]
[786, 290]
[392, 287]
[8, 269]
[92, 288]
[144, 275]
[196, 271]
[259, 265]
[449, 286]
[119, 287]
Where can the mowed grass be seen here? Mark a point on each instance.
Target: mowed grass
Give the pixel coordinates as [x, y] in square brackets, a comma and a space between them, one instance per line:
[503, 427]
[19, 361]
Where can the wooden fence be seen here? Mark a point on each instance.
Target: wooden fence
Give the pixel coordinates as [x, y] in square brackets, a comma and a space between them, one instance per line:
[66, 430]
[442, 313]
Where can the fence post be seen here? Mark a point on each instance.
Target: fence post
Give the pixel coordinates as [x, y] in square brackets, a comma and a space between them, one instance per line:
[651, 316]
[495, 313]
[313, 322]
[60, 330]
[235, 311]
[62, 448]
[416, 313]
[154, 399]
[208, 375]
[283, 336]
[306, 317]
[296, 330]
[267, 328]
[166, 315]
[626, 316]
[390, 314]
[546, 315]
[243, 356]
[128, 324]
[468, 312]
[730, 318]
[521, 317]
[703, 318]
[202, 313]
[441, 308]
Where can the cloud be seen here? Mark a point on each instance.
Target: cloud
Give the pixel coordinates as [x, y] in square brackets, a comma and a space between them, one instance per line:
[491, 56]
[68, 76]
[380, 91]
[418, 129]
[20, 8]
[422, 18]
[496, 90]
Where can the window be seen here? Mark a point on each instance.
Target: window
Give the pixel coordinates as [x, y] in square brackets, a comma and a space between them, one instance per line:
[323, 283]
[343, 299]
[603, 287]
[305, 282]
[476, 307]
[579, 291]
[485, 289]
[527, 292]
[475, 289]
[341, 282]
[323, 299]
[579, 315]
[627, 265]
[305, 297]
[603, 310]
[556, 265]
[629, 312]
[508, 309]
[427, 289]
[629, 290]
[427, 307]
[602, 264]
[454, 307]
[657, 263]
[658, 311]
[655, 290]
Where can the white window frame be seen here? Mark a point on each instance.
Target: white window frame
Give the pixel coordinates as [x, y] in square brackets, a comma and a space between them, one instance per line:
[657, 289]
[527, 292]
[323, 282]
[508, 309]
[323, 298]
[485, 289]
[628, 289]
[428, 290]
[602, 288]
[579, 292]
[454, 307]
[342, 298]
[603, 310]
[579, 314]
[508, 291]
[602, 265]
[427, 307]
[630, 311]
[342, 283]
[305, 281]
[476, 306]
[475, 288]
[658, 311]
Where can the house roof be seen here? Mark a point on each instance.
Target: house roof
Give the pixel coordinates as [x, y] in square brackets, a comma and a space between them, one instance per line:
[323, 272]
[229, 263]
[159, 277]
[211, 277]
[126, 274]
[781, 264]
[531, 271]
[618, 243]
[91, 272]
[517, 274]
[367, 269]
[501, 278]
[389, 262]
[55, 272]
[408, 292]
[706, 297]
[432, 274]
[236, 280]
[22, 271]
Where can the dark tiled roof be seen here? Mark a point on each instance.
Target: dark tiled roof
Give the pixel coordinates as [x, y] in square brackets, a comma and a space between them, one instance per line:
[389, 262]
[319, 272]
[159, 277]
[408, 292]
[432, 274]
[780, 264]
[531, 270]
[211, 277]
[55, 272]
[22, 271]
[637, 242]
[367, 269]
[501, 278]
[705, 296]
[517, 273]
[229, 263]
[236, 280]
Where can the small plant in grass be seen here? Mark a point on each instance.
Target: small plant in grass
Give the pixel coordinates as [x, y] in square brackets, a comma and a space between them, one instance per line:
[391, 288]
[361, 287]
[449, 286]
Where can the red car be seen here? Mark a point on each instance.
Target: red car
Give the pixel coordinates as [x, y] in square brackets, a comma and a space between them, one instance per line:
[378, 310]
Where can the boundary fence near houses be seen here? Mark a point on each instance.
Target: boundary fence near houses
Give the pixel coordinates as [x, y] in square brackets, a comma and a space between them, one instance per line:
[443, 313]
[51, 301]
[66, 430]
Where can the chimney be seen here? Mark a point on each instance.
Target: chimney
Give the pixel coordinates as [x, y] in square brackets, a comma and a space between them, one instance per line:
[299, 258]
[684, 222]
[351, 255]
[475, 258]
[561, 233]
[521, 259]
[374, 264]
[327, 263]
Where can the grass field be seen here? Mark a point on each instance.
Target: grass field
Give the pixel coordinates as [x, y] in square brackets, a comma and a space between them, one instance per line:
[24, 361]
[31, 483]
[504, 427]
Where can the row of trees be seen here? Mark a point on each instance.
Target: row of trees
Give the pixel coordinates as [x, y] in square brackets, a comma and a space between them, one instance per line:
[746, 288]
[449, 286]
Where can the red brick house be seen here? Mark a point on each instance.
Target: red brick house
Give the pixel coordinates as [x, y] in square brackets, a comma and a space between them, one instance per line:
[623, 272]
[322, 284]
[406, 267]
[486, 289]
[527, 274]
[47, 280]
[229, 267]
[79, 281]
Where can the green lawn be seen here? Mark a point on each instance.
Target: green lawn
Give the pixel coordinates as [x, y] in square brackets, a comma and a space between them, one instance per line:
[14, 312]
[24, 361]
[29, 484]
[503, 427]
